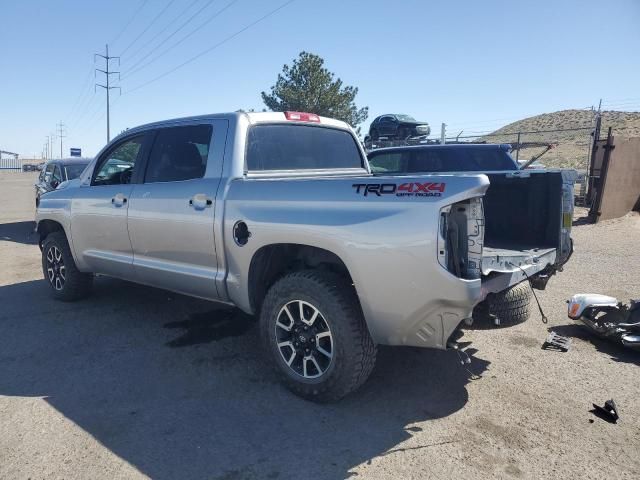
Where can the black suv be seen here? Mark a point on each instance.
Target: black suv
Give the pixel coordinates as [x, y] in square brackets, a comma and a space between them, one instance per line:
[54, 172]
[397, 125]
[442, 158]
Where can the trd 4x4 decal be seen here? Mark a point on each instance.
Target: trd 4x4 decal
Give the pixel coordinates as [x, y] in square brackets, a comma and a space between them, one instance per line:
[412, 189]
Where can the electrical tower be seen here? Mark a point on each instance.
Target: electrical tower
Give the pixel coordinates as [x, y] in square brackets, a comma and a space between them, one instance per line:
[61, 135]
[107, 87]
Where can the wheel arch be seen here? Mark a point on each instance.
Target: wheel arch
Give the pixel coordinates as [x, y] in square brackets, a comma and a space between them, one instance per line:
[46, 227]
[271, 262]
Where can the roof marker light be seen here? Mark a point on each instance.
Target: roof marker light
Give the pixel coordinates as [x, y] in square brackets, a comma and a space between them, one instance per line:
[302, 117]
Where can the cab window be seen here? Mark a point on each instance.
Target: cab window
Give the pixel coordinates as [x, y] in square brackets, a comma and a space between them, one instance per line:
[179, 153]
[116, 167]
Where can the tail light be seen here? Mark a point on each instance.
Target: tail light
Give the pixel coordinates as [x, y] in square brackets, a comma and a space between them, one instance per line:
[302, 117]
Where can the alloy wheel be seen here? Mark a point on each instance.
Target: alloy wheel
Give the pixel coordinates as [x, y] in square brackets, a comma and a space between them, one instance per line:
[56, 271]
[304, 339]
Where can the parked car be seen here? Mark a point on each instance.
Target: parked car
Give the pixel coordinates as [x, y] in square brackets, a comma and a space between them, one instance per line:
[54, 172]
[474, 157]
[539, 213]
[280, 215]
[397, 125]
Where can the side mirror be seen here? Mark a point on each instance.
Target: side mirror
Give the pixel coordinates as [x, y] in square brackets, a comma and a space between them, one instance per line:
[55, 183]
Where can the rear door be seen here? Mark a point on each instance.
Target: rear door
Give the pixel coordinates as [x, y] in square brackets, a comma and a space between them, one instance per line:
[171, 212]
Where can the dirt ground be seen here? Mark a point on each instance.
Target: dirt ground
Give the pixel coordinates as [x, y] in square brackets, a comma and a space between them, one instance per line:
[136, 382]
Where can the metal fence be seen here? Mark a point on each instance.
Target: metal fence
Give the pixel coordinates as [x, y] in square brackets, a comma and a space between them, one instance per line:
[11, 163]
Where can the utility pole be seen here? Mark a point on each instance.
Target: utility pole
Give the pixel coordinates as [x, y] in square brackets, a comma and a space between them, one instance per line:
[443, 133]
[51, 139]
[107, 87]
[46, 148]
[61, 135]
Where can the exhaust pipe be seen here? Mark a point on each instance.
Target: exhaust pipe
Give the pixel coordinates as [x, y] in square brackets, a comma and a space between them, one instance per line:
[631, 341]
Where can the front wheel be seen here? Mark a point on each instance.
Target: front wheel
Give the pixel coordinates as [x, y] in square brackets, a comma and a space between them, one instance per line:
[314, 333]
[66, 281]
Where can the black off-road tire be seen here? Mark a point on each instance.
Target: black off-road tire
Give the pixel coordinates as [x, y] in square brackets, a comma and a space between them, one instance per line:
[375, 136]
[354, 352]
[76, 284]
[511, 306]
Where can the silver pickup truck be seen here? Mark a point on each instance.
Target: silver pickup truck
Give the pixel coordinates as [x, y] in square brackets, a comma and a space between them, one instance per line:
[279, 215]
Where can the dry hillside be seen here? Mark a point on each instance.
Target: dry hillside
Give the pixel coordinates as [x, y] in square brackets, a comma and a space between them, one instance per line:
[572, 149]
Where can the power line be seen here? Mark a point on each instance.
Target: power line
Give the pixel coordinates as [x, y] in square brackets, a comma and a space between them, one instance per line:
[83, 106]
[107, 87]
[98, 115]
[83, 90]
[148, 27]
[222, 42]
[175, 32]
[92, 103]
[142, 4]
[166, 27]
[206, 22]
[84, 100]
[91, 121]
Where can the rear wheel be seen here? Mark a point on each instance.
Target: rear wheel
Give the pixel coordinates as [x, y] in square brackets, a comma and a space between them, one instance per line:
[67, 283]
[314, 333]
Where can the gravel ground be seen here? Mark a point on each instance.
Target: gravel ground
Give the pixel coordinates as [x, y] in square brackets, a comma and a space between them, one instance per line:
[136, 382]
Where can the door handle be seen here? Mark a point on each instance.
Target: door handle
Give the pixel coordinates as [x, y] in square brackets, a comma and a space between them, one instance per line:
[119, 200]
[200, 201]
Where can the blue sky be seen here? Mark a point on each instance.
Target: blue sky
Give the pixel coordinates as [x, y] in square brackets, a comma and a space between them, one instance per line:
[475, 65]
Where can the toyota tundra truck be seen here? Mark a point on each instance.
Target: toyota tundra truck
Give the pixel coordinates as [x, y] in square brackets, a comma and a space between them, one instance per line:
[279, 215]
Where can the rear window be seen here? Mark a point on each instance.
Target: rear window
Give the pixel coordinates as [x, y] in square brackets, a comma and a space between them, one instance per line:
[441, 160]
[74, 171]
[300, 147]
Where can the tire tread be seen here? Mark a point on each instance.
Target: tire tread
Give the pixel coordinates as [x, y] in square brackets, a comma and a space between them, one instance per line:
[362, 349]
[77, 284]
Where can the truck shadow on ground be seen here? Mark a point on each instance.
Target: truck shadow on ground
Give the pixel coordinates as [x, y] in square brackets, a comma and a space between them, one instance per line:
[210, 409]
[18, 232]
[617, 352]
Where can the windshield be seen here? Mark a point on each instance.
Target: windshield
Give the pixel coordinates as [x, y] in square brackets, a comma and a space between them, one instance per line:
[74, 171]
[301, 147]
[447, 159]
[405, 118]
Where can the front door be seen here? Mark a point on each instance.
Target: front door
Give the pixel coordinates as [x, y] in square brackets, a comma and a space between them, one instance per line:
[171, 212]
[99, 212]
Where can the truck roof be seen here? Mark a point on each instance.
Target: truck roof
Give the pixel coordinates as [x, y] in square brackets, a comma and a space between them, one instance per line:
[253, 117]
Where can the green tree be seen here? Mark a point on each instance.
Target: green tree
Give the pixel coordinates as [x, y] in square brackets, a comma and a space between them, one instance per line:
[306, 86]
